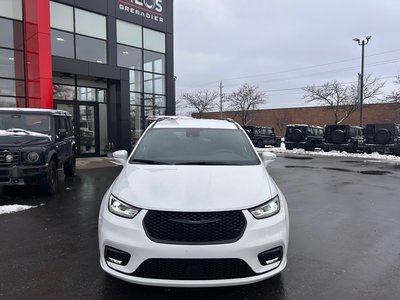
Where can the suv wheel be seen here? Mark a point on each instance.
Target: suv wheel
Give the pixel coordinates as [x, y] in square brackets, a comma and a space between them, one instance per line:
[49, 185]
[311, 146]
[382, 136]
[338, 136]
[297, 135]
[69, 166]
[260, 144]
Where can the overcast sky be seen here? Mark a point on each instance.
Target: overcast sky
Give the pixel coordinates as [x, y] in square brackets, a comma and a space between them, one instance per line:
[282, 46]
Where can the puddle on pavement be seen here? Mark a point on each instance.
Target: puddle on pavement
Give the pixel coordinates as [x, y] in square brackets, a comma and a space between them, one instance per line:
[298, 157]
[338, 169]
[300, 167]
[374, 172]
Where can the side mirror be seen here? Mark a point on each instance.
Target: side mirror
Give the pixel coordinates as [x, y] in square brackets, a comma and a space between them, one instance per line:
[121, 156]
[62, 133]
[267, 158]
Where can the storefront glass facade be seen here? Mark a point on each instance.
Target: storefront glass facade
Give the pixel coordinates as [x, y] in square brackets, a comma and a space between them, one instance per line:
[112, 65]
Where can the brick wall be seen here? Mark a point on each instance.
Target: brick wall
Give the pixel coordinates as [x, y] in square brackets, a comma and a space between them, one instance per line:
[280, 117]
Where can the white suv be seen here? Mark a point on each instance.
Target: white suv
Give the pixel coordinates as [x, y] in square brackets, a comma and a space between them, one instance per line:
[193, 206]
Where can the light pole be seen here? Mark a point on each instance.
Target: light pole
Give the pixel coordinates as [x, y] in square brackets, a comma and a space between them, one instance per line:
[362, 43]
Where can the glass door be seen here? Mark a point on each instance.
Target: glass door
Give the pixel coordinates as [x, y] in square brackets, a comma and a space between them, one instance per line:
[87, 131]
[84, 120]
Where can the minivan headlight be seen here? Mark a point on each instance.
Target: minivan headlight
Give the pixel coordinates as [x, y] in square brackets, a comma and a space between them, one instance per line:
[268, 209]
[121, 209]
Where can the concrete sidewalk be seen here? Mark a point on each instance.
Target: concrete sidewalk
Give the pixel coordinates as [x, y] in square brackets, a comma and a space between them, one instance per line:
[95, 162]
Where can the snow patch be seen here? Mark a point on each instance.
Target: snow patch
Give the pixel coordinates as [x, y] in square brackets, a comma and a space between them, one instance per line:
[8, 209]
[320, 153]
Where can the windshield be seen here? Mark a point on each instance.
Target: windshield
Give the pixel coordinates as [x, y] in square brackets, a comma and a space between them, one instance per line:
[195, 146]
[18, 122]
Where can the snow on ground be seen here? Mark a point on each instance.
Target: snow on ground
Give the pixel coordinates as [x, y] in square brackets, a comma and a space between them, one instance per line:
[320, 153]
[8, 209]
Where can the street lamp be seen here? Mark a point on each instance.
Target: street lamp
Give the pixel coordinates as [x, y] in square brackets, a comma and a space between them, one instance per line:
[362, 43]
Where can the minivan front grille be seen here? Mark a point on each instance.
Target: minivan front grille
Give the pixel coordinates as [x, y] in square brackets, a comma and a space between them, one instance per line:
[194, 269]
[194, 227]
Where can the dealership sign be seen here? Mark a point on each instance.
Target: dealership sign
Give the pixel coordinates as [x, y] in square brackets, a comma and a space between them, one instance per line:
[149, 9]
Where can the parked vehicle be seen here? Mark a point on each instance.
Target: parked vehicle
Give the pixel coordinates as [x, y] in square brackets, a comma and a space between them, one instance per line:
[382, 138]
[193, 206]
[262, 136]
[307, 137]
[34, 143]
[343, 138]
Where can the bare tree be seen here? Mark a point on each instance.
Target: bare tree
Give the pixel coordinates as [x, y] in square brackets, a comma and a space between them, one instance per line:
[371, 91]
[341, 99]
[202, 101]
[282, 120]
[394, 96]
[246, 99]
[335, 95]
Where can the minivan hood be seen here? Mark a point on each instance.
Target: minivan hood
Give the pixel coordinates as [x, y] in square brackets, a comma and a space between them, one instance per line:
[194, 188]
[22, 138]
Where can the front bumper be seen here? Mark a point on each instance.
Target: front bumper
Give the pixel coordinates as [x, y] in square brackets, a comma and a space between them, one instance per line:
[128, 235]
[18, 175]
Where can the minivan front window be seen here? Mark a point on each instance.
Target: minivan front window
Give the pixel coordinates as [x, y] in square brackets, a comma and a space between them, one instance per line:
[195, 146]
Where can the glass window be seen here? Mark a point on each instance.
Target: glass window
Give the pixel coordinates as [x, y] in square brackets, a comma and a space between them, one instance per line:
[129, 57]
[129, 34]
[154, 83]
[154, 111]
[12, 102]
[86, 94]
[191, 145]
[153, 62]
[135, 81]
[10, 87]
[154, 100]
[101, 95]
[153, 40]
[136, 125]
[8, 65]
[11, 9]
[11, 34]
[61, 16]
[90, 49]
[135, 99]
[63, 92]
[62, 44]
[90, 24]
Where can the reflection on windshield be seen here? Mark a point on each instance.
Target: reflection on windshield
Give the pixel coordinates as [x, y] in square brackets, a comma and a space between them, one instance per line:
[25, 122]
[195, 146]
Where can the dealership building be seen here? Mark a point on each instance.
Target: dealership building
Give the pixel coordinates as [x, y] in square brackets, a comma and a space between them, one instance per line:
[108, 62]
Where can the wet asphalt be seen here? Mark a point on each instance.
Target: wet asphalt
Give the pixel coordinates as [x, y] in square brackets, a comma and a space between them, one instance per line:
[344, 239]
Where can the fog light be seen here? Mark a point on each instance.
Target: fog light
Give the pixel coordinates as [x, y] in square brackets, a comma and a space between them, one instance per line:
[271, 256]
[116, 256]
[9, 157]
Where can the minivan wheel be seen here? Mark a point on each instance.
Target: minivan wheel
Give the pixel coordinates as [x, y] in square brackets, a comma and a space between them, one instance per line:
[49, 185]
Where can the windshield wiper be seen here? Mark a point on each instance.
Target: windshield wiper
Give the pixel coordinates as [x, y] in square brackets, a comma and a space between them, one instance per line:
[149, 162]
[18, 130]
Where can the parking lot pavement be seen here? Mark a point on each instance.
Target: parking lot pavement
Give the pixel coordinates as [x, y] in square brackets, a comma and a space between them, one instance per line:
[95, 162]
[344, 240]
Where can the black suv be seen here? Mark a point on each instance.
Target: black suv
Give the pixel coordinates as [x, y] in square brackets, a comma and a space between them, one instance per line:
[382, 138]
[261, 136]
[34, 143]
[343, 138]
[307, 137]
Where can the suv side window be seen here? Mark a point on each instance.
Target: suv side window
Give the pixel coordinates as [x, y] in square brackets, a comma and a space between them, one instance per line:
[61, 123]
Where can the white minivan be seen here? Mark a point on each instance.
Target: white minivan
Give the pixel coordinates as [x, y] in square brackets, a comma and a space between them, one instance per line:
[193, 206]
